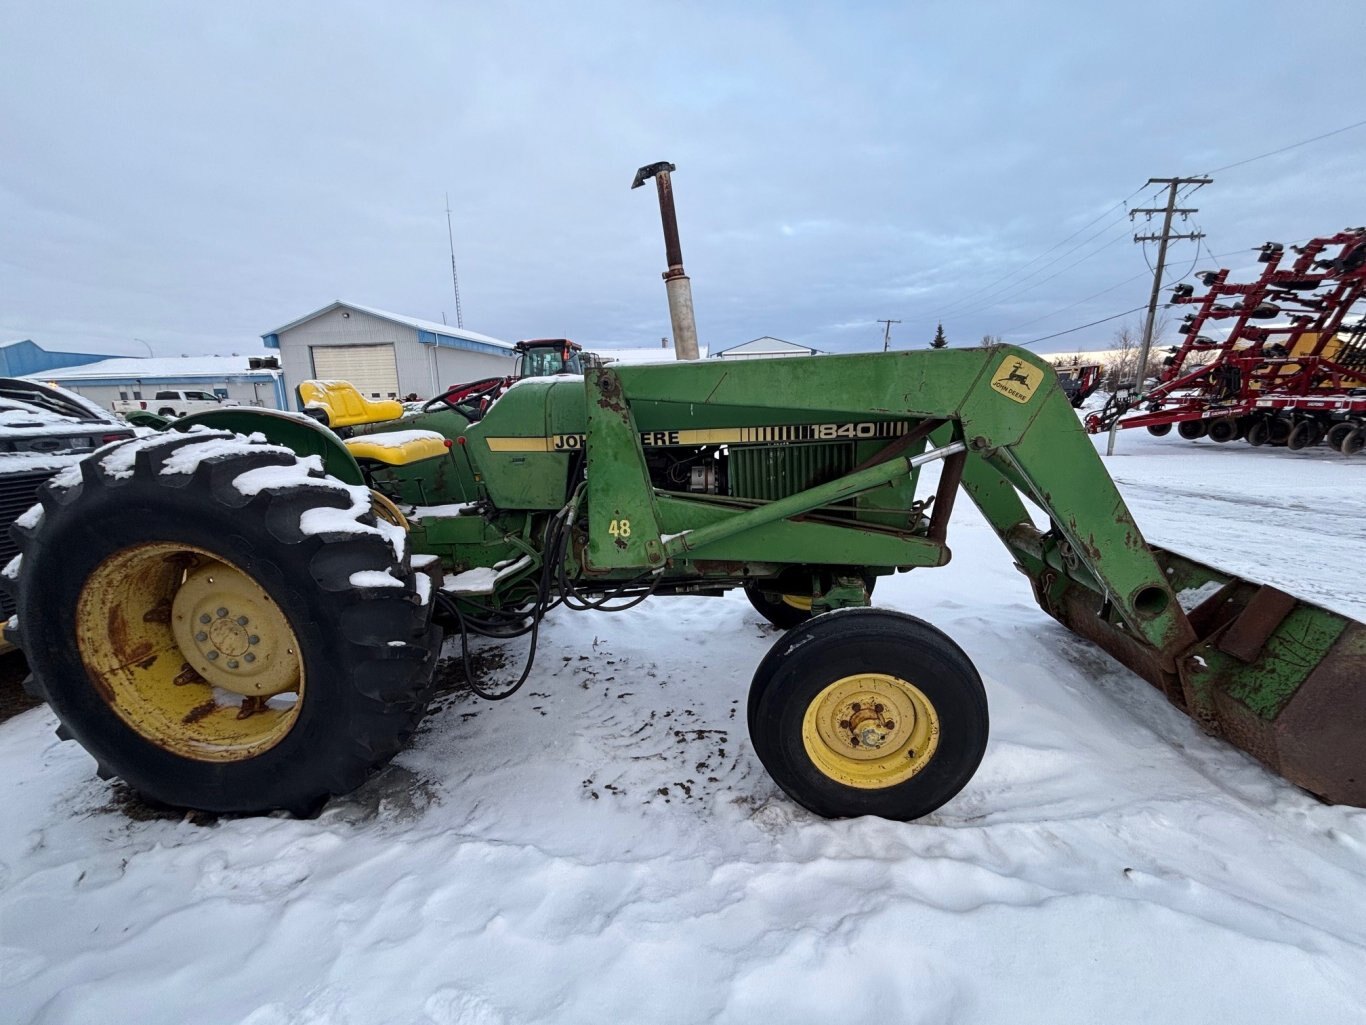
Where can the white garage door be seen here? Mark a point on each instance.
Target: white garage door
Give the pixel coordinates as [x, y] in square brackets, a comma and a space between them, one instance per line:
[371, 368]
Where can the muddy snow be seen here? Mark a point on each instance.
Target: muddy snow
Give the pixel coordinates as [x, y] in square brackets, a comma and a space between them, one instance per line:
[604, 847]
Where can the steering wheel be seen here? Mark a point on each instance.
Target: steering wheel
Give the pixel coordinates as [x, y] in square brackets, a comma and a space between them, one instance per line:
[469, 400]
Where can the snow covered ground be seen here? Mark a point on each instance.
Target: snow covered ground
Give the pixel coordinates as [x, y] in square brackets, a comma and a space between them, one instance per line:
[605, 848]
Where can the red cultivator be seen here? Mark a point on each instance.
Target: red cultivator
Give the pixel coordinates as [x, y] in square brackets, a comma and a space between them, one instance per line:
[1296, 382]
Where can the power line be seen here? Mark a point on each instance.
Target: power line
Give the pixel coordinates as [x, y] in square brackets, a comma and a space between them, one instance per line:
[1105, 291]
[1011, 273]
[1011, 296]
[1054, 313]
[1013, 290]
[1285, 149]
[1083, 327]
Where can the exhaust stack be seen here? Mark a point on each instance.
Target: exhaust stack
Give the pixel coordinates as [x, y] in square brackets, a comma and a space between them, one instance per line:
[675, 280]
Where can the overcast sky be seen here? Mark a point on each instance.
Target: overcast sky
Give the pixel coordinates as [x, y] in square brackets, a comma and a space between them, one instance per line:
[195, 175]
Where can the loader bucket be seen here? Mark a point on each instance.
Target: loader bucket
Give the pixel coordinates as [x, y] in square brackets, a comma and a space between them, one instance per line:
[1281, 678]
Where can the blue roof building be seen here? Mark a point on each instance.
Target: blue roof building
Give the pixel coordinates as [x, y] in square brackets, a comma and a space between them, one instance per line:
[27, 357]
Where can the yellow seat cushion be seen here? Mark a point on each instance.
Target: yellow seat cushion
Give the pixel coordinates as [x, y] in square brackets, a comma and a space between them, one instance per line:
[398, 448]
[345, 406]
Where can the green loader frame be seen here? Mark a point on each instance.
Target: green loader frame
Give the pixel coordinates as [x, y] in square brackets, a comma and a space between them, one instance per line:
[797, 480]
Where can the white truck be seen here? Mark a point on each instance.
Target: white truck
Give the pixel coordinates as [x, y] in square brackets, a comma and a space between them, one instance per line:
[174, 403]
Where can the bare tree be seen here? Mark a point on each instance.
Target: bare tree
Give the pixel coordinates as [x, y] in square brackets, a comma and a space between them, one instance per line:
[992, 340]
[1122, 366]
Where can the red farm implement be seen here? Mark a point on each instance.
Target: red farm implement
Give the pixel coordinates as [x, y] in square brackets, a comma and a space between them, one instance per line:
[1297, 381]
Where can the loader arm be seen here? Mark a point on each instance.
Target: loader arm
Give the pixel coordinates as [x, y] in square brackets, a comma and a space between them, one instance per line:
[1278, 677]
[1004, 404]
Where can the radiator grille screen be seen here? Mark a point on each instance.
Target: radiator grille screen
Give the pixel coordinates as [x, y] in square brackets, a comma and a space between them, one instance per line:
[769, 472]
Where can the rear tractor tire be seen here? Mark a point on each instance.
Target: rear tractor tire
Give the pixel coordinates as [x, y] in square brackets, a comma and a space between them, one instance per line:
[868, 712]
[221, 625]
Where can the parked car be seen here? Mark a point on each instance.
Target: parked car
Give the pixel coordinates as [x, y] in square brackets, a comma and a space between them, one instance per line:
[174, 403]
[43, 430]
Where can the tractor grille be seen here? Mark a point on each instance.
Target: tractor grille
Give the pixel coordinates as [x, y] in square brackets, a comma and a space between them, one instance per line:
[769, 472]
[18, 491]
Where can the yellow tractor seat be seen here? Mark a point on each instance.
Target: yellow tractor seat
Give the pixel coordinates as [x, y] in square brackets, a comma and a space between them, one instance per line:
[397, 448]
[340, 404]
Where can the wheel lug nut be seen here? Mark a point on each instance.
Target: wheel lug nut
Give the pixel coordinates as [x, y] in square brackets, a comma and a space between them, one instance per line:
[249, 657]
[241, 620]
[854, 740]
[845, 724]
[201, 636]
[222, 613]
[856, 707]
[232, 663]
[211, 656]
[205, 618]
[877, 709]
[890, 725]
[253, 639]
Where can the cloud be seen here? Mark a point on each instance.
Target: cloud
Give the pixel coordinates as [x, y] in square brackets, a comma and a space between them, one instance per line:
[193, 174]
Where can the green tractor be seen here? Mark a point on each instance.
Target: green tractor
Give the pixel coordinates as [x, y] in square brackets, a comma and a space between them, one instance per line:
[242, 613]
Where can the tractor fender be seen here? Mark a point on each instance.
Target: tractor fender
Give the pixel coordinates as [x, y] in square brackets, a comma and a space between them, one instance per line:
[295, 431]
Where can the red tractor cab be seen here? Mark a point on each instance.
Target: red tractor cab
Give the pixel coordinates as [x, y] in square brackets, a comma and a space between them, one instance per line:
[546, 357]
[536, 357]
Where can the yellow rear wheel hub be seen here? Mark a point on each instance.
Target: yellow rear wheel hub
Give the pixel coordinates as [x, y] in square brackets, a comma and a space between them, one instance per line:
[870, 731]
[798, 601]
[190, 651]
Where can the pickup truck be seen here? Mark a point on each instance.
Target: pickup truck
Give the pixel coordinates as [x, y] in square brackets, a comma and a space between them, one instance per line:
[43, 430]
[174, 403]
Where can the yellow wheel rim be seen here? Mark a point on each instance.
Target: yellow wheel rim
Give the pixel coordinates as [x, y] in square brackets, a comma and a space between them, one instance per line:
[190, 651]
[797, 601]
[870, 731]
[387, 511]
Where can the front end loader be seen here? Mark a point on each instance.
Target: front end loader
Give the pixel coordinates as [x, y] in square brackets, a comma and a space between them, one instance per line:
[242, 613]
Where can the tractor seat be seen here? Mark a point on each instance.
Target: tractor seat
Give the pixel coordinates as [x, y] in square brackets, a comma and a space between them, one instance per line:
[339, 404]
[397, 448]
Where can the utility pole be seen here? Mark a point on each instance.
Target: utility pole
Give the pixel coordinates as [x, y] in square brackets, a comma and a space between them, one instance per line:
[455, 278]
[887, 334]
[1168, 212]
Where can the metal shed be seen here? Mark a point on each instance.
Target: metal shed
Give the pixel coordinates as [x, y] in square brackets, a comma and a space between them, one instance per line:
[385, 355]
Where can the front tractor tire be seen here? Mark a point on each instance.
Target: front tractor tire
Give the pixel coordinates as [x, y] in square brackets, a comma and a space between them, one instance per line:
[868, 712]
[220, 624]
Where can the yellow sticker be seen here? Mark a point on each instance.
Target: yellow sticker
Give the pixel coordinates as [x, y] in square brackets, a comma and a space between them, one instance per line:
[1016, 379]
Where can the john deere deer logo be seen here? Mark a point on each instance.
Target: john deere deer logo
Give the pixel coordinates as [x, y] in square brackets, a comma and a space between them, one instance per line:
[1016, 379]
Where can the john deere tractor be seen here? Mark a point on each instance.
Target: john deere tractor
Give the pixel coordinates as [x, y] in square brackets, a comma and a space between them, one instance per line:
[242, 613]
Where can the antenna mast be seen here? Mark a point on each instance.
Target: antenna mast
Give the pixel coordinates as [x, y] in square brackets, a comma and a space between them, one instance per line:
[455, 278]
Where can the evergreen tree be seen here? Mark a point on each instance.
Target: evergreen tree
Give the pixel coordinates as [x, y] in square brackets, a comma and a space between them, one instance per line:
[940, 342]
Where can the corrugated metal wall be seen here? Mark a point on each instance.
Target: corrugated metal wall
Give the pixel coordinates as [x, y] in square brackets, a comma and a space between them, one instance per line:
[418, 371]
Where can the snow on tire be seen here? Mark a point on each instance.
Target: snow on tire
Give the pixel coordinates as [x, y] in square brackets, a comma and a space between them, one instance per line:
[220, 624]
